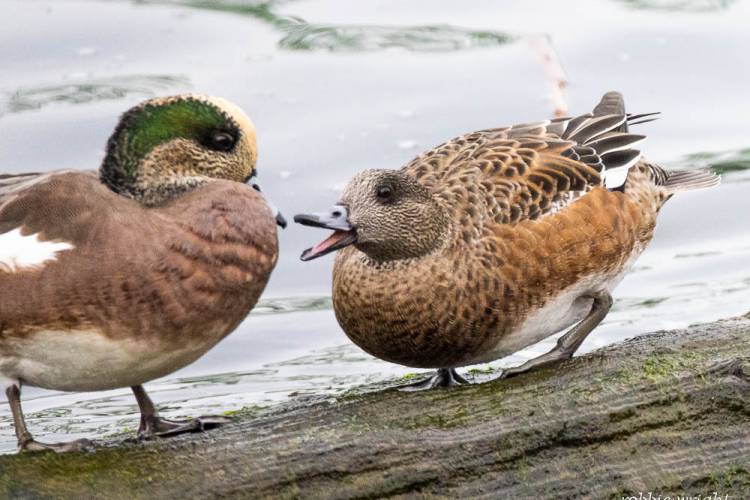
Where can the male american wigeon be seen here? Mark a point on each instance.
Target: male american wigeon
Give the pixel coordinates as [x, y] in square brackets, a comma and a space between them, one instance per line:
[115, 278]
[494, 241]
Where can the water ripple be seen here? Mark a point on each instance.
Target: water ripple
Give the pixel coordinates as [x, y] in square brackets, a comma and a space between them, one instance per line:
[299, 34]
[292, 304]
[88, 90]
[680, 5]
[734, 164]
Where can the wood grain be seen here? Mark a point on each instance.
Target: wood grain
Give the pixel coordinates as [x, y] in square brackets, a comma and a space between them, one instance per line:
[667, 413]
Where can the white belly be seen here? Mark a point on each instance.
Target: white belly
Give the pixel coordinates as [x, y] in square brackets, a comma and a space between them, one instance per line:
[564, 310]
[86, 360]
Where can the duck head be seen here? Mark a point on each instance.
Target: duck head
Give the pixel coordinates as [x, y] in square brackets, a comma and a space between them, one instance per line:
[386, 214]
[167, 146]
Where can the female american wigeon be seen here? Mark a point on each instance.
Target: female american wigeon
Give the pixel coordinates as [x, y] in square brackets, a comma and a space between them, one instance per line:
[115, 278]
[494, 240]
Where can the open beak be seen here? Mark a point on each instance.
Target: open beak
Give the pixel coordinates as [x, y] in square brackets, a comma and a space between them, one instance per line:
[252, 181]
[337, 218]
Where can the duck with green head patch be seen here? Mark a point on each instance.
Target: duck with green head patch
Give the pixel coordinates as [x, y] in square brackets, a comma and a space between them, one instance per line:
[113, 279]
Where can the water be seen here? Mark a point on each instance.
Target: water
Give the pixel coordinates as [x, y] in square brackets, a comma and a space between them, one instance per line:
[335, 87]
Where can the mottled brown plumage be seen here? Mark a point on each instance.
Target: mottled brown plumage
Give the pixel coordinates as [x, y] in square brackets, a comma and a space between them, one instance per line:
[137, 271]
[523, 235]
[184, 274]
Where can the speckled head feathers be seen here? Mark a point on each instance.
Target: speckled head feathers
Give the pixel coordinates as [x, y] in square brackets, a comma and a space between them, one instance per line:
[388, 216]
[395, 217]
[166, 146]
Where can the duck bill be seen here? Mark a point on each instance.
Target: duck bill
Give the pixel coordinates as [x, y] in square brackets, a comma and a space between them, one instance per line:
[280, 219]
[343, 235]
[338, 240]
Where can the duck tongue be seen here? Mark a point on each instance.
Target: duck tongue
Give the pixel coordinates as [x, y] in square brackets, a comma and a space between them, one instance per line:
[339, 239]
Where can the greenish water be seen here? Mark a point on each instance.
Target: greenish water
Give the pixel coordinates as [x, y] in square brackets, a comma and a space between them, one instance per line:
[336, 87]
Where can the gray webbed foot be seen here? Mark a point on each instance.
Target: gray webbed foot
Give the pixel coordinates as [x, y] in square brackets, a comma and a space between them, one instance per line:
[444, 377]
[155, 426]
[25, 440]
[543, 360]
[77, 445]
[152, 425]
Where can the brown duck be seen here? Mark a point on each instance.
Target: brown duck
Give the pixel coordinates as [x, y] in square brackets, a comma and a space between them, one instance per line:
[494, 241]
[113, 279]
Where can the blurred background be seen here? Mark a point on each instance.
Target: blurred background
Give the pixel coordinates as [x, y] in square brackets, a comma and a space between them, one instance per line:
[337, 86]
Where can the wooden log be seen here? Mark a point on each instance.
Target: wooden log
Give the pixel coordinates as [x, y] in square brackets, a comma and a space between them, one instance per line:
[667, 413]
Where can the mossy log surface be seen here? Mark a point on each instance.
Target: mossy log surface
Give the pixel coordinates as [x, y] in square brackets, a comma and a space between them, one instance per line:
[667, 413]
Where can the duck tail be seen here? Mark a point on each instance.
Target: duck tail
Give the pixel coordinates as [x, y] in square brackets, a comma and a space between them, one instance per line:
[612, 103]
[675, 181]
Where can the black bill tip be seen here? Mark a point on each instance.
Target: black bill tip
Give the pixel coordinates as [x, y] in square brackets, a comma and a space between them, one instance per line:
[307, 254]
[281, 220]
[311, 220]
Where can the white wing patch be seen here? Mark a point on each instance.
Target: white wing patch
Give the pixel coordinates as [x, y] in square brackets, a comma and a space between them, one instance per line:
[18, 251]
[615, 177]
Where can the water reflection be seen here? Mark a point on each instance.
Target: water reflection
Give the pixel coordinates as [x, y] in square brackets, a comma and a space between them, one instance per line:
[292, 304]
[304, 36]
[680, 5]
[734, 165]
[299, 34]
[89, 90]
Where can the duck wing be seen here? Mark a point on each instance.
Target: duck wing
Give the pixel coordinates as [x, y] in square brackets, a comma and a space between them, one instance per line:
[51, 202]
[528, 170]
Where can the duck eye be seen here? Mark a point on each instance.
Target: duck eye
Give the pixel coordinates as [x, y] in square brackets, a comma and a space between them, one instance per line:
[384, 192]
[221, 141]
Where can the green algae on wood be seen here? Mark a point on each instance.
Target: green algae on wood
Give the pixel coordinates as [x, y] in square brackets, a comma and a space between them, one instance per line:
[668, 412]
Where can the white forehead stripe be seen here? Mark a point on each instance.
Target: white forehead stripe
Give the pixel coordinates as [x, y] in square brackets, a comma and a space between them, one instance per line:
[245, 124]
[18, 251]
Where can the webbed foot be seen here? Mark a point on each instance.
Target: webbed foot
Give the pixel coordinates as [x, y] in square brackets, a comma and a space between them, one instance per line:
[444, 377]
[152, 425]
[78, 445]
[155, 426]
[543, 360]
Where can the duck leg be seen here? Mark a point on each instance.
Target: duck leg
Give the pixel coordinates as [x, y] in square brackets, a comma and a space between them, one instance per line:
[25, 440]
[444, 377]
[571, 341]
[152, 425]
